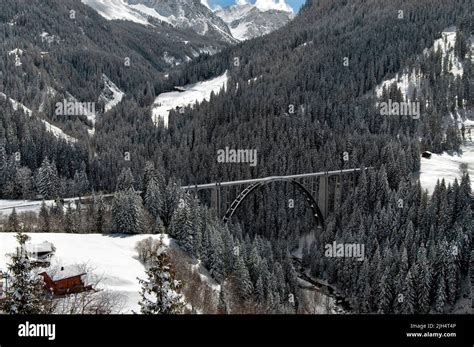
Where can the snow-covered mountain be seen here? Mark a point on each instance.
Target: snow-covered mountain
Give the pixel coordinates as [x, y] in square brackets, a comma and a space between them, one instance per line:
[182, 14]
[231, 24]
[247, 20]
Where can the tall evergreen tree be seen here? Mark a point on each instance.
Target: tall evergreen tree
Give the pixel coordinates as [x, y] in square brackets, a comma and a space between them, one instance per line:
[25, 294]
[161, 291]
[47, 180]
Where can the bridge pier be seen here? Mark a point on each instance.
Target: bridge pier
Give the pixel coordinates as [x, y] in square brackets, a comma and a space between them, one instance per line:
[216, 199]
[329, 193]
[323, 194]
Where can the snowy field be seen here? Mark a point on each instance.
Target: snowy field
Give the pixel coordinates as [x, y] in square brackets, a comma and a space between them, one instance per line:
[192, 94]
[113, 257]
[446, 166]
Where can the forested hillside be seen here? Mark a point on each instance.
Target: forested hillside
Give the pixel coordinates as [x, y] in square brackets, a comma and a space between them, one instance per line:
[63, 49]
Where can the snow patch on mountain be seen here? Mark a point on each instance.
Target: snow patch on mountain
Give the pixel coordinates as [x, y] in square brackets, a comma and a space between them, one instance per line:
[170, 60]
[407, 82]
[148, 11]
[111, 95]
[16, 53]
[49, 39]
[116, 10]
[446, 45]
[189, 96]
[57, 132]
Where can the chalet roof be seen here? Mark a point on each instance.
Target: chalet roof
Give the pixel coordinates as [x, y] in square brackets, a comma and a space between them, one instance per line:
[66, 272]
[43, 247]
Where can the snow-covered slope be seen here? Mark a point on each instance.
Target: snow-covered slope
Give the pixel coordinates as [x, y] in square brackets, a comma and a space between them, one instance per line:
[112, 257]
[447, 166]
[190, 95]
[445, 45]
[407, 82]
[117, 9]
[247, 21]
[111, 96]
[16, 53]
[49, 127]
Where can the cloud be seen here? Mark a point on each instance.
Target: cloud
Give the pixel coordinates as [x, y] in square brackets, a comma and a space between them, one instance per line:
[266, 5]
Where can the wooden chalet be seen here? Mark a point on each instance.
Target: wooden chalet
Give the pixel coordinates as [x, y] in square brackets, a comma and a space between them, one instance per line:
[66, 281]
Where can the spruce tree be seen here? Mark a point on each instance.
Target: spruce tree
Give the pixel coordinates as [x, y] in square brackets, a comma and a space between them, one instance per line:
[242, 278]
[161, 292]
[152, 198]
[47, 180]
[125, 180]
[13, 224]
[45, 218]
[127, 213]
[25, 293]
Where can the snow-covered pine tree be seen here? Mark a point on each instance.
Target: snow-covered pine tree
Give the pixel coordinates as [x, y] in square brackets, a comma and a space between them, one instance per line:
[152, 198]
[440, 294]
[13, 224]
[47, 180]
[279, 277]
[452, 274]
[25, 292]
[81, 183]
[45, 218]
[424, 280]
[259, 292]
[385, 294]
[152, 174]
[170, 201]
[410, 295]
[253, 263]
[182, 226]
[222, 305]
[161, 291]
[125, 180]
[127, 212]
[216, 255]
[69, 220]
[242, 278]
[99, 213]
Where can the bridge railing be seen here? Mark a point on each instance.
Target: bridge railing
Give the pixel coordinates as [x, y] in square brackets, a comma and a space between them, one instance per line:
[271, 178]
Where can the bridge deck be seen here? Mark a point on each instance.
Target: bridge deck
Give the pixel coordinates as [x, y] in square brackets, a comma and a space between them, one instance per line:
[268, 179]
